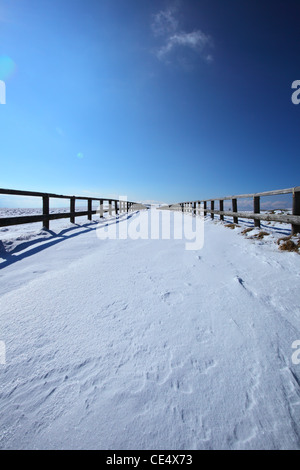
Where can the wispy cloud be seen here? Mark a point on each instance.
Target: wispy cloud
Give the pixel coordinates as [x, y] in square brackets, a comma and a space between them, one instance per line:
[165, 26]
[195, 40]
[164, 23]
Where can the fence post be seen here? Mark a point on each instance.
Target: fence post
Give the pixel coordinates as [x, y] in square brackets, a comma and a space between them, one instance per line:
[72, 210]
[256, 210]
[234, 209]
[221, 202]
[204, 208]
[116, 207]
[212, 207]
[109, 207]
[101, 208]
[296, 211]
[46, 211]
[194, 208]
[89, 209]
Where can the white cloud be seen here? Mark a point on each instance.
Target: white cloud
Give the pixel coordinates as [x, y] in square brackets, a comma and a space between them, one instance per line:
[195, 40]
[166, 27]
[164, 22]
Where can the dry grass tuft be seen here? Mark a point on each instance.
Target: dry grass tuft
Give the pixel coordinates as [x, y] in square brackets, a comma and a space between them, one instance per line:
[232, 226]
[283, 239]
[247, 230]
[289, 245]
[261, 235]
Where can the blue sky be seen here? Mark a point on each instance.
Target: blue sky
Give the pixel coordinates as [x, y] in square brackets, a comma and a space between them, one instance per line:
[156, 100]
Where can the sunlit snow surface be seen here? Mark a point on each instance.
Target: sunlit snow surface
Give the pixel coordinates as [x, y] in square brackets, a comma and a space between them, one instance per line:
[141, 344]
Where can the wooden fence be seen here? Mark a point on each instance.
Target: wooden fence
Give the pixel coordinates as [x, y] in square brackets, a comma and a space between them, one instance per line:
[114, 205]
[256, 215]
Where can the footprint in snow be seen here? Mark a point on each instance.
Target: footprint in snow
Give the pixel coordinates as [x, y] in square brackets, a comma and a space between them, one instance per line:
[171, 297]
[240, 281]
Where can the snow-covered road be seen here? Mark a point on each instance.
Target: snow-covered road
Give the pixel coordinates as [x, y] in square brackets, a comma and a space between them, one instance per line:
[141, 344]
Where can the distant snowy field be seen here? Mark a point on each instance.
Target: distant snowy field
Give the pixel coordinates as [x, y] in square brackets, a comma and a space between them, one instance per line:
[140, 344]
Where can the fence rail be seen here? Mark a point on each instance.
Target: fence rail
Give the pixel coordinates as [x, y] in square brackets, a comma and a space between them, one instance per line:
[114, 205]
[256, 215]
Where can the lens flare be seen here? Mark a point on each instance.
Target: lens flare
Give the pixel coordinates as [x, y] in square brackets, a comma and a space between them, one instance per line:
[7, 67]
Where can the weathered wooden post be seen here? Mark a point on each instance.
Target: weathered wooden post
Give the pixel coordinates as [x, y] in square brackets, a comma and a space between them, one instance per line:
[90, 209]
[116, 207]
[194, 208]
[221, 203]
[212, 208]
[72, 210]
[46, 212]
[256, 210]
[101, 208]
[109, 207]
[234, 209]
[204, 208]
[296, 211]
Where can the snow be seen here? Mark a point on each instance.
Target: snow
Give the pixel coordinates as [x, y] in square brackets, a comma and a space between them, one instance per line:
[141, 344]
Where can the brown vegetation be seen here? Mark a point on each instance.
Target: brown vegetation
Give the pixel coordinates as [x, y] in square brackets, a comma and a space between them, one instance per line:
[247, 230]
[283, 239]
[289, 245]
[232, 226]
[261, 235]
